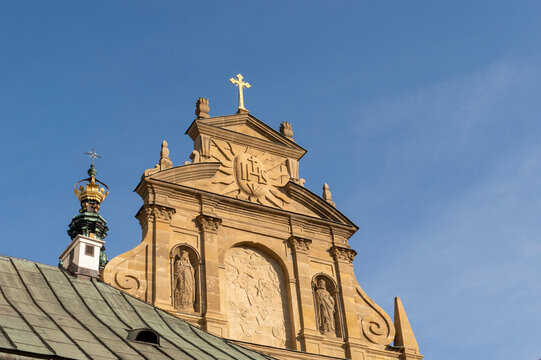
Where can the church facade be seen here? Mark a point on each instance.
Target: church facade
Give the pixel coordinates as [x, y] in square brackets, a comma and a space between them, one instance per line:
[234, 243]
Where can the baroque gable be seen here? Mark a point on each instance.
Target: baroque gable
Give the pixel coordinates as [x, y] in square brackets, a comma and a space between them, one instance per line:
[234, 242]
[239, 156]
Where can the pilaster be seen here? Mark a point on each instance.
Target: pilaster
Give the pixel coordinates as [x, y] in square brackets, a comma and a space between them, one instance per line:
[343, 259]
[308, 332]
[157, 219]
[214, 319]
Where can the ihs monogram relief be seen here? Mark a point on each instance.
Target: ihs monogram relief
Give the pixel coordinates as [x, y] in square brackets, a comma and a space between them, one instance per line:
[249, 174]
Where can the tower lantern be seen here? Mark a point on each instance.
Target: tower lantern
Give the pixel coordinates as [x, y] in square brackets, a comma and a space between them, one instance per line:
[85, 254]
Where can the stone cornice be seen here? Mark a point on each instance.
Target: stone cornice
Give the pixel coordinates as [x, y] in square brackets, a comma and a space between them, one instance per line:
[341, 253]
[284, 150]
[299, 245]
[208, 223]
[316, 204]
[347, 227]
[155, 212]
[189, 172]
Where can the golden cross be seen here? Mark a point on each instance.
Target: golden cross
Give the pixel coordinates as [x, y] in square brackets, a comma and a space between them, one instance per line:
[241, 84]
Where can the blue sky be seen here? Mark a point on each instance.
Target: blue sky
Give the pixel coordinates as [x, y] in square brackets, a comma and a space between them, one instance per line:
[424, 117]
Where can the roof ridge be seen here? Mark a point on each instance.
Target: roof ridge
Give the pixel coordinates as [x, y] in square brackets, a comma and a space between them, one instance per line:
[28, 260]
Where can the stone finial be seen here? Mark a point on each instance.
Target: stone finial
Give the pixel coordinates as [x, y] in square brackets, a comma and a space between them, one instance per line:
[202, 108]
[327, 195]
[404, 337]
[165, 162]
[286, 130]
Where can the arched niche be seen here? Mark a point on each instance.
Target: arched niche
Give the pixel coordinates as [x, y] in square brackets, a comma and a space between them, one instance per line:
[256, 297]
[269, 250]
[185, 265]
[327, 305]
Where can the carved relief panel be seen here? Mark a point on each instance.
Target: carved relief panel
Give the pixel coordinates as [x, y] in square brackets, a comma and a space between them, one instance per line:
[250, 174]
[185, 277]
[256, 298]
[326, 302]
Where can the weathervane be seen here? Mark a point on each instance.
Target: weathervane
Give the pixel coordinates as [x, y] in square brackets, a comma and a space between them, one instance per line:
[93, 155]
[241, 84]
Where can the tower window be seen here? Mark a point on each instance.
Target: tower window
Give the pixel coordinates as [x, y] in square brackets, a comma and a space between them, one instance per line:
[89, 250]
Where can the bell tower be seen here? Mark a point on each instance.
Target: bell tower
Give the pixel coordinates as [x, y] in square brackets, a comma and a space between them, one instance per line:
[85, 255]
[232, 241]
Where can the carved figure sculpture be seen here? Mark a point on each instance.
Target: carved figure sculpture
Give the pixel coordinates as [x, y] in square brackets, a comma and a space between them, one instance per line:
[184, 294]
[256, 297]
[325, 308]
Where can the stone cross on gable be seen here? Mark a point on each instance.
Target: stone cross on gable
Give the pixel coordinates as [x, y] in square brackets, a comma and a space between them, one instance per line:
[241, 84]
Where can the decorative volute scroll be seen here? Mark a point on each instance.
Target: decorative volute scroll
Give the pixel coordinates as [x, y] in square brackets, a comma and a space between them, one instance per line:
[377, 326]
[154, 212]
[299, 245]
[119, 273]
[208, 223]
[341, 253]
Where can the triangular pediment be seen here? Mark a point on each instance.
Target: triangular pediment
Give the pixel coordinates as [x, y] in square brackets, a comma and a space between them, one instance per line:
[246, 129]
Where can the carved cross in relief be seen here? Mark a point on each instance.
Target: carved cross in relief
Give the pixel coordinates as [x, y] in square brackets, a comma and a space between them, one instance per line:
[241, 84]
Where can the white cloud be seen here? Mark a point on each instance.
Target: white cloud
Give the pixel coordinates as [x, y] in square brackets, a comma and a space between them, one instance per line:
[469, 275]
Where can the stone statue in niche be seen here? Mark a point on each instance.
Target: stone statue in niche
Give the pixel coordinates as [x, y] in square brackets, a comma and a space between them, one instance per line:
[184, 293]
[326, 308]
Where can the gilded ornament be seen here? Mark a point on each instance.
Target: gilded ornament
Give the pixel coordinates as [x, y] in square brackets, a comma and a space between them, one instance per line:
[241, 84]
[91, 195]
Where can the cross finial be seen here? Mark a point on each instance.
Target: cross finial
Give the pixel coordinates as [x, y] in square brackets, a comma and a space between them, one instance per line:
[93, 155]
[241, 84]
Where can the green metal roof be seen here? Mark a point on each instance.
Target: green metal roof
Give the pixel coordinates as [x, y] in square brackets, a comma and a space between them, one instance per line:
[47, 313]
